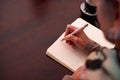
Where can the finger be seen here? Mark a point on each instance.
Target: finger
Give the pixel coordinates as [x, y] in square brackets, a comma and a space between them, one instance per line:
[70, 43]
[77, 74]
[73, 38]
[69, 29]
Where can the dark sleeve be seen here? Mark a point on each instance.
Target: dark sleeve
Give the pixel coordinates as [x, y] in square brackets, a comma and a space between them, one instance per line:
[67, 77]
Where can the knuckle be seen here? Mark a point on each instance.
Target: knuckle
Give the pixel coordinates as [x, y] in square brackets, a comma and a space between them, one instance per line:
[68, 27]
[76, 40]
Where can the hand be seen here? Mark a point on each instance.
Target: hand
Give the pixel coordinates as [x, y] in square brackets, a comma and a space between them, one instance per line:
[79, 39]
[80, 73]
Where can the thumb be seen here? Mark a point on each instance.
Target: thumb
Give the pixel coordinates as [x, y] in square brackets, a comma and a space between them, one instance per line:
[73, 38]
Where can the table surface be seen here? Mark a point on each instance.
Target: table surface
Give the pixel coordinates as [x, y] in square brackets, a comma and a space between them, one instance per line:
[27, 29]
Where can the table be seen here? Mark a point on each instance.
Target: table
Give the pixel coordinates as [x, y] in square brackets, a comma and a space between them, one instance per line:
[27, 29]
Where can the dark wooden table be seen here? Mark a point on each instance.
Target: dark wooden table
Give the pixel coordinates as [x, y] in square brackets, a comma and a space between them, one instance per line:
[27, 29]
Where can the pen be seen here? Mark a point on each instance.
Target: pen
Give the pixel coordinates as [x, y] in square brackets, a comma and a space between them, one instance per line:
[77, 30]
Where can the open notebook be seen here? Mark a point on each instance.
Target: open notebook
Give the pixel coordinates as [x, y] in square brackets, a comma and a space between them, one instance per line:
[73, 58]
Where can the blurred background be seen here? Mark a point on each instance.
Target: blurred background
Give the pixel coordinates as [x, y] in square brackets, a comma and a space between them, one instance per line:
[27, 29]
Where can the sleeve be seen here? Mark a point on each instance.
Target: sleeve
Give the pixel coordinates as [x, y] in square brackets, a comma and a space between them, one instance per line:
[111, 64]
[67, 77]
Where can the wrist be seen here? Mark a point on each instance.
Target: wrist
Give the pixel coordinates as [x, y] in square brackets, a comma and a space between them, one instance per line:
[92, 46]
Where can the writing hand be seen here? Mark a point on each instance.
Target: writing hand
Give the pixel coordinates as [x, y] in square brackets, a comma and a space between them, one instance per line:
[79, 39]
